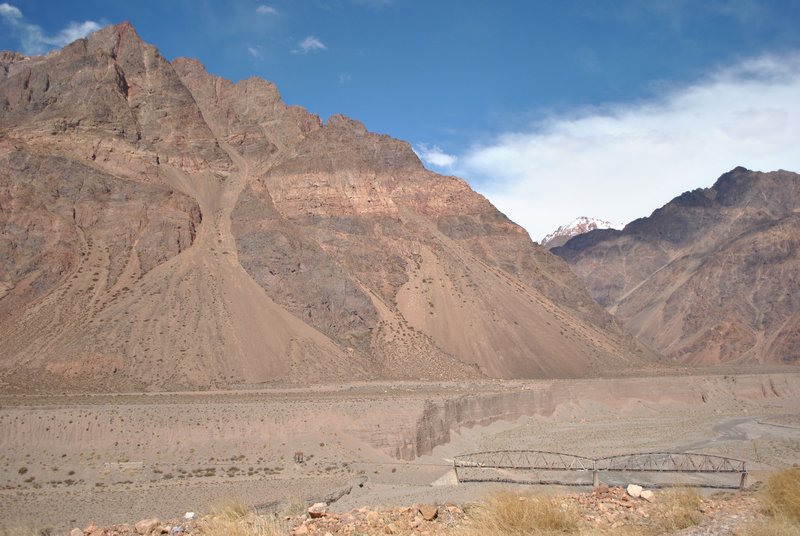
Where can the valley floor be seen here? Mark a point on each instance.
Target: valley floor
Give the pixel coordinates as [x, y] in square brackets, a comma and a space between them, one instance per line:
[71, 460]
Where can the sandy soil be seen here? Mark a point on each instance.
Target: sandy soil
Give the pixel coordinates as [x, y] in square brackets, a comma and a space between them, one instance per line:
[71, 460]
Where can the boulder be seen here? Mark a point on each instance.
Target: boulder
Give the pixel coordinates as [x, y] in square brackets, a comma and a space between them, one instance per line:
[146, 526]
[429, 512]
[317, 510]
[76, 532]
[634, 490]
[647, 495]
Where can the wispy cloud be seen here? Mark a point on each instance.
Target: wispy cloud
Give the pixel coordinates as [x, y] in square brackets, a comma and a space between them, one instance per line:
[264, 9]
[624, 160]
[433, 155]
[256, 51]
[33, 39]
[345, 78]
[310, 44]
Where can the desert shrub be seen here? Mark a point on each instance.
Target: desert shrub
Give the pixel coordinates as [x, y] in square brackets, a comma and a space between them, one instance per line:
[780, 500]
[234, 518]
[23, 530]
[295, 506]
[678, 509]
[509, 513]
[781, 495]
[773, 526]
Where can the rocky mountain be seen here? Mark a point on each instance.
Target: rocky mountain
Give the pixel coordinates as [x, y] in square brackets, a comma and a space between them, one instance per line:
[710, 277]
[163, 228]
[581, 225]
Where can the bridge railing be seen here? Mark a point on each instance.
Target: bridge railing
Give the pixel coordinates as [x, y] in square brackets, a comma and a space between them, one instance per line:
[527, 466]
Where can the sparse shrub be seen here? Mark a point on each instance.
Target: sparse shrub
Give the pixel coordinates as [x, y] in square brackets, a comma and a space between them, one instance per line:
[295, 506]
[22, 530]
[773, 526]
[22, 470]
[780, 499]
[781, 494]
[234, 518]
[507, 513]
[678, 509]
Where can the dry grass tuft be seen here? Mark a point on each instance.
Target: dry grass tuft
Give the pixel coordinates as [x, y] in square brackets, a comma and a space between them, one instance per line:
[780, 499]
[781, 495]
[295, 506]
[677, 509]
[509, 513]
[774, 526]
[20, 530]
[234, 518]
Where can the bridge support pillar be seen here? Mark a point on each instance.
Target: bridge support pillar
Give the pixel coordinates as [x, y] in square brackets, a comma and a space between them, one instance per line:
[743, 480]
[595, 476]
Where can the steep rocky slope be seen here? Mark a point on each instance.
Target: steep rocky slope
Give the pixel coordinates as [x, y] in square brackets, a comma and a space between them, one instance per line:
[712, 276]
[167, 229]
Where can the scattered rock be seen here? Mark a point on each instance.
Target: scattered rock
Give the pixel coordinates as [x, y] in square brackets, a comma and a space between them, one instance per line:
[647, 495]
[634, 490]
[317, 510]
[429, 512]
[146, 526]
[300, 530]
[76, 532]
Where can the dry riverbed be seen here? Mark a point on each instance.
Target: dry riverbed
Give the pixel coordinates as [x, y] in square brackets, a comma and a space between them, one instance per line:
[72, 460]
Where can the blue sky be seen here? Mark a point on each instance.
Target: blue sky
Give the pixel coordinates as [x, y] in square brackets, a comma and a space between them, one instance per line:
[551, 109]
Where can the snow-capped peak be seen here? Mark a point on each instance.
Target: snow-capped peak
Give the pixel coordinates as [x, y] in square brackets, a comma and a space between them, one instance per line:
[577, 226]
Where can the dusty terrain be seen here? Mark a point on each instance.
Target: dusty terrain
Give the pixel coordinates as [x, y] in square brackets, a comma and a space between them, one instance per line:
[74, 459]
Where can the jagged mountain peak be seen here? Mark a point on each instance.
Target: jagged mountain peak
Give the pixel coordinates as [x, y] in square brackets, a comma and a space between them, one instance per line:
[578, 226]
[164, 228]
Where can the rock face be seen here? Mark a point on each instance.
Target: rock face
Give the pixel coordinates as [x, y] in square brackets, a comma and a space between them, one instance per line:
[578, 226]
[711, 276]
[163, 228]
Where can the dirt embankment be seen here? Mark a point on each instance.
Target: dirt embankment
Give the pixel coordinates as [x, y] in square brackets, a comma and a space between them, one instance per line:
[440, 417]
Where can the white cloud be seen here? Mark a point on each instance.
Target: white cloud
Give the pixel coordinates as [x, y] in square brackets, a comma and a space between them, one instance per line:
[256, 51]
[310, 44]
[10, 12]
[73, 31]
[434, 156]
[266, 10]
[623, 161]
[33, 39]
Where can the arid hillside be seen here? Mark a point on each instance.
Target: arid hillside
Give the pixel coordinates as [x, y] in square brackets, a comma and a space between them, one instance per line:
[165, 229]
[710, 277]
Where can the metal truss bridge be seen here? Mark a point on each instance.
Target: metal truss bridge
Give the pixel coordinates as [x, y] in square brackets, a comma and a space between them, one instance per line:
[540, 467]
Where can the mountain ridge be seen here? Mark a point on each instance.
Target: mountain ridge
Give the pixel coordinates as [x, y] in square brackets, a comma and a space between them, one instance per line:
[706, 276]
[266, 246]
